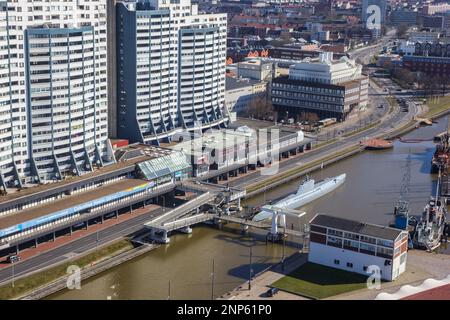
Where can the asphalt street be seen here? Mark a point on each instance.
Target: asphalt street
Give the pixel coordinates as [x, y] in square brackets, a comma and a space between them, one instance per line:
[77, 247]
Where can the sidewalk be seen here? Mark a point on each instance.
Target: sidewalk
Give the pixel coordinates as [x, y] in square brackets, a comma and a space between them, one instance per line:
[261, 283]
[420, 266]
[62, 240]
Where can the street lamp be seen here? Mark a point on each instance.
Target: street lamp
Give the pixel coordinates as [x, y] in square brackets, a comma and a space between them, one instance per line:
[212, 281]
[13, 262]
[250, 271]
[168, 297]
[284, 244]
[96, 243]
[164, 203]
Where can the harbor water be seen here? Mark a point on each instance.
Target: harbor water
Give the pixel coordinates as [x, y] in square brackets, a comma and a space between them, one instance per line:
[372, 187]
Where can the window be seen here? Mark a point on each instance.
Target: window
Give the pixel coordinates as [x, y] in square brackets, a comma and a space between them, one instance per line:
[337, 262]
[403, 258]
[365, 268]
[335, 242]
[349, 265]
[335, 232]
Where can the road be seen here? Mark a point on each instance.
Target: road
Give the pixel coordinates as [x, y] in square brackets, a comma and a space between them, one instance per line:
[89, 242]
[78, 247]
[366, 53]
[377, 96]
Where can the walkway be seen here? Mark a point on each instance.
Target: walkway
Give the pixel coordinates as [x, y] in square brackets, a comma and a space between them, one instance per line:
[261, 283]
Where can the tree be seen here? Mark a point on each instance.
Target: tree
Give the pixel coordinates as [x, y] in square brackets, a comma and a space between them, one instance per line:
[259, 107]
[444, 81]
[403, 75]
[401, 30]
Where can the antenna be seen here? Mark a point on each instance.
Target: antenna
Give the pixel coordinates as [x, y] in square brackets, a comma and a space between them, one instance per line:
[437, 185]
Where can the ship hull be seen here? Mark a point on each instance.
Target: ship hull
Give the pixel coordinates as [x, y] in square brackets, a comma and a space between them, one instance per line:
[295, 201]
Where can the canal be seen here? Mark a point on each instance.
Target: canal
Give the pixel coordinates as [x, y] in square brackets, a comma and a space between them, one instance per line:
[372, 187]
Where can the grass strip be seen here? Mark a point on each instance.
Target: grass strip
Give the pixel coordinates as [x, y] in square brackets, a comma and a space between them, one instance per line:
[298, 169]
[318, 282]
[32, 282]
[437, 105]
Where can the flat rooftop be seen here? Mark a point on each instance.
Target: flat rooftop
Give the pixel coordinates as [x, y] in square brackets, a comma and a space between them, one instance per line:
[131, 155]
[254, 124]
[232, 83]
[67, 202]
[361, 228]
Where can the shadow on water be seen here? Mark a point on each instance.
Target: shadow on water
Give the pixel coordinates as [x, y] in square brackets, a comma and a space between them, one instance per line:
[424, 158]
[243, 271]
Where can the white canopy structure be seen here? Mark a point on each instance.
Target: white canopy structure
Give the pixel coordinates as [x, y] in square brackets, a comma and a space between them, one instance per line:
[408, 290]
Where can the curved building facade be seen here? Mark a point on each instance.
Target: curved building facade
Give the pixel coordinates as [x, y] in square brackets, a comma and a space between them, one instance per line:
[62, 109]
[53, 89]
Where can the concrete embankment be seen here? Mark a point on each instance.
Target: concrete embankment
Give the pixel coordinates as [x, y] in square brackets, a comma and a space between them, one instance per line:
[295, 173]
[88, 272]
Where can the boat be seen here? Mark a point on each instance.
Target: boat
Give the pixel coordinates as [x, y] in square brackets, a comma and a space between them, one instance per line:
[307, 192]
[432, 224]
[377, 144]
[441, 156]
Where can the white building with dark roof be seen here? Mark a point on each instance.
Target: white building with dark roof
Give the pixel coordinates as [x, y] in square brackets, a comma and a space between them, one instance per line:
[356, 246]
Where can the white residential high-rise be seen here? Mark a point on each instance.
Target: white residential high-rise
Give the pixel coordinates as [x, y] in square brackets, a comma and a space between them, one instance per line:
[170, 69]
[53, 89]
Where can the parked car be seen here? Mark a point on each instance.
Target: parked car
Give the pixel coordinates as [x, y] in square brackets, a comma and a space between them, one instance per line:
[272, 291]
[13, 258]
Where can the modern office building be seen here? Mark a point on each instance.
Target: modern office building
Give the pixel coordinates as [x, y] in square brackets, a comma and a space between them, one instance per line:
[358, 247]
[326, 87]
[242, 92]
[406, 17]
[433, 8]
[53, 90]
[170, 69]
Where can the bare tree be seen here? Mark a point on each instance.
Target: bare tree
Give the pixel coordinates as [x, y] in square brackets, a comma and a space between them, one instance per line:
[259, 107]
[401, 30]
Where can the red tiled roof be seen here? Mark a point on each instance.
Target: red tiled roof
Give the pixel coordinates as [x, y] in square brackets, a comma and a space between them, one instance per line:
[439, 293]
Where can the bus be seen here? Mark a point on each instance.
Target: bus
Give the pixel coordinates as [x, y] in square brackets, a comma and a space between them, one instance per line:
[327, 122]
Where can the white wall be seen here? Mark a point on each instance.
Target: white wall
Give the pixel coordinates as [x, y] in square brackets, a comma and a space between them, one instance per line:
[325, 255]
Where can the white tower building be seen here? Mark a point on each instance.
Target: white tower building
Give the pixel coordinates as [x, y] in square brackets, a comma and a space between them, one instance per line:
[170, 69]
[53, 89]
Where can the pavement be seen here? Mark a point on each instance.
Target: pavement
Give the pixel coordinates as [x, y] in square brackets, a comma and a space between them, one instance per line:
[420, 265]
[261, 283]
[66, 248]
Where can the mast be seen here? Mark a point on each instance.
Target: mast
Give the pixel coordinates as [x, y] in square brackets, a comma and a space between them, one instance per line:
[437, 185]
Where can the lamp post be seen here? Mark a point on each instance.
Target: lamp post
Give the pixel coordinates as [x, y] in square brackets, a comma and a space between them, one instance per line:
[13, 273]
[250, 271]
[168, 296]
[284, 244]
[212, 281]
[97, 240]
